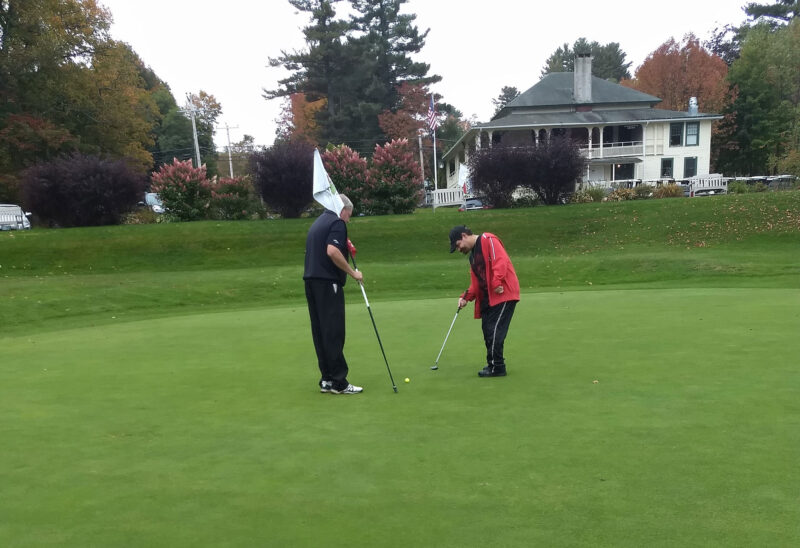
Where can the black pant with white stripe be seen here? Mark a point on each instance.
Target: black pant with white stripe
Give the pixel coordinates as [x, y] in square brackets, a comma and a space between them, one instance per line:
[326, 309]
[495, 321]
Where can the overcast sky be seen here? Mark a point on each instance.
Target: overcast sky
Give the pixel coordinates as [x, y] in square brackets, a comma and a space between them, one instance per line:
[476, 46]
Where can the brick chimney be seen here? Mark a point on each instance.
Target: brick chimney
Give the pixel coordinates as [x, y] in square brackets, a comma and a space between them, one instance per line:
[582, 87]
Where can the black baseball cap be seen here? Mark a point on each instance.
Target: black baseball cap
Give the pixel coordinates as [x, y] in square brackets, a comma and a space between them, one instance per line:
[455, 235]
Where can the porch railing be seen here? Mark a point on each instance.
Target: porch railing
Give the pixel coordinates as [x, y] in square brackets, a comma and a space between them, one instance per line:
[614, 150]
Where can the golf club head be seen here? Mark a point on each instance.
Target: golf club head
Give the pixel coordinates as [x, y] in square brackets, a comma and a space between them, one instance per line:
[434, 367]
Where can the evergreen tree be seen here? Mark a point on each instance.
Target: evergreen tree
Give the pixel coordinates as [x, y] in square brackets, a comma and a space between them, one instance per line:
[782, 10]
[356, 66]
[507, 94]
[608, 63]
[390, 38]
[763, 116]
[318, 71]
[726, 42]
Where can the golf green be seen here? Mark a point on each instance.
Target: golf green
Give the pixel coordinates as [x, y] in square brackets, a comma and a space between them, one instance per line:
[209, 429]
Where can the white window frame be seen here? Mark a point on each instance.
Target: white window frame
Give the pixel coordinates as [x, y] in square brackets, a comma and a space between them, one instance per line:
[695, 134]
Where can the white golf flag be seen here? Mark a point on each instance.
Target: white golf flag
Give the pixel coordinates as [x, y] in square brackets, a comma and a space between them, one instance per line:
[325, 192]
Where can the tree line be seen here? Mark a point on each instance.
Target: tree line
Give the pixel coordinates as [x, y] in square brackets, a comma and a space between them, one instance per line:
[67, 87]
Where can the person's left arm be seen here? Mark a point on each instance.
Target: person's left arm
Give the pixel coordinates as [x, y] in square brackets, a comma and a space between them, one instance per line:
[497, 262]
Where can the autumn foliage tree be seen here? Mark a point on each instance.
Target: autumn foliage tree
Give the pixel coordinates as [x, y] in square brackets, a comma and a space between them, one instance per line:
[298, 119]
[677, 71]
[409, 117]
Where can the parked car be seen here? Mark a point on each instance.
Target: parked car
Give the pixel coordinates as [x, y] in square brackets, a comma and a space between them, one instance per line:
[153, 201]
[473, 203]
[13, 218]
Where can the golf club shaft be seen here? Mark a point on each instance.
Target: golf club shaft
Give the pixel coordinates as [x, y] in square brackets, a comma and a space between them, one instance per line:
[447, 336]
[375, 327]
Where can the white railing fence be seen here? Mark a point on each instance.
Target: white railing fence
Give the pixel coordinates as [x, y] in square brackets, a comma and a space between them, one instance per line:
[447, 197]
[714, 181]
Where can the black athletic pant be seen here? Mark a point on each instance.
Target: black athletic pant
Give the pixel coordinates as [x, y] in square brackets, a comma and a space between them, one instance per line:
[495, 321]
[326, 309]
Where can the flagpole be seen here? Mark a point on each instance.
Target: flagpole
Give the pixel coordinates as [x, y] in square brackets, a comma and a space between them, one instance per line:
[435, 167]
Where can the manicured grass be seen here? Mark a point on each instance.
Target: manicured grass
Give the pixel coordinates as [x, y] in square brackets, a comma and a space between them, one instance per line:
[158, 384]
[99, 275]
[208, 429]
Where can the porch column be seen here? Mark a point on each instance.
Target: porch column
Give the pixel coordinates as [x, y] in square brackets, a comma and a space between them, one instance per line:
[601, 143]
[490, 138]
[590, 145]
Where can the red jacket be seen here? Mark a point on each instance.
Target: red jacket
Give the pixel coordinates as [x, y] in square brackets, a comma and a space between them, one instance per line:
[499, 271]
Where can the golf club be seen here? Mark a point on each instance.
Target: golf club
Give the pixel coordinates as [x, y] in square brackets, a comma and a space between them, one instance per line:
[371, 317]
[436, 364]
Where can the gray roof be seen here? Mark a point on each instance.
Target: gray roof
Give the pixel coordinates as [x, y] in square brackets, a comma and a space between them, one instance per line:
[594, 117]
[556, 89]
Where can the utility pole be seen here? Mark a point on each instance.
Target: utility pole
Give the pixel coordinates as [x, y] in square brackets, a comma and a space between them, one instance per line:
[230, 158]
[192, 112]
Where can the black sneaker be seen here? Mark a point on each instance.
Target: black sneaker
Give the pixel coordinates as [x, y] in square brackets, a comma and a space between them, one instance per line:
[492, 371]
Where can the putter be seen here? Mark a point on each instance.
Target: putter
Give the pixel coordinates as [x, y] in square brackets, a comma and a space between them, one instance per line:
[371, 317]
[435, 366]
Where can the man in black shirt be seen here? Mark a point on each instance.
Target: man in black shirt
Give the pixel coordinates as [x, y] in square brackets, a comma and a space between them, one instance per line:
[326, 271]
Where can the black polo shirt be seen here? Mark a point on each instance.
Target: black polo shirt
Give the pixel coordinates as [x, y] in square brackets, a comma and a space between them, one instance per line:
[328, 229]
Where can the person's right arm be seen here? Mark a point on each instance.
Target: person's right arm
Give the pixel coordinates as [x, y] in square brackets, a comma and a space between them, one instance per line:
[341, 263]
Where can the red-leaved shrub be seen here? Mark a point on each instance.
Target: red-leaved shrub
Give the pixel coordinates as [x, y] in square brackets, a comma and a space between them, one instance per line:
[184, 190]
[284, 176]
[349, 173]
[80, 190]
[234, 199]
[394, 184]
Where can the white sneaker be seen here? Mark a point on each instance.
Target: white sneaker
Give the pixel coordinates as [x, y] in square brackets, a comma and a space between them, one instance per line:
[349, 390]
[325, 386]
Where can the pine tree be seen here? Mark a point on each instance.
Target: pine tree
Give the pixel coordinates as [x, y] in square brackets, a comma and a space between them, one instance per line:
[356, 65]
[782, 10]
[609, 60]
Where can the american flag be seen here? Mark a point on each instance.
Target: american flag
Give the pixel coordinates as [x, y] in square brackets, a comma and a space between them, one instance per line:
[433, 123]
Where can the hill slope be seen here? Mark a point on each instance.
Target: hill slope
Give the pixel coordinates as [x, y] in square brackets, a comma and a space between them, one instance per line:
[97, 275]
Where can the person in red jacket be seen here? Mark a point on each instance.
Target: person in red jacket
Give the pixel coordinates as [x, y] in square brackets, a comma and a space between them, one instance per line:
[493, 286]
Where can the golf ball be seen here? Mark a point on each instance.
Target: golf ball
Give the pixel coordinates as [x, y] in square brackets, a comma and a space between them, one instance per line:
[408, 380]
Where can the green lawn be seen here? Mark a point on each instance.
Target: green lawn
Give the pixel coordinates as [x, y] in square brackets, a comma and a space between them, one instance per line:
[157, 389]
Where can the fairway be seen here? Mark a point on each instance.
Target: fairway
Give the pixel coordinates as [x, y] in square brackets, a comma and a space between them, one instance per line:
[208, 429]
